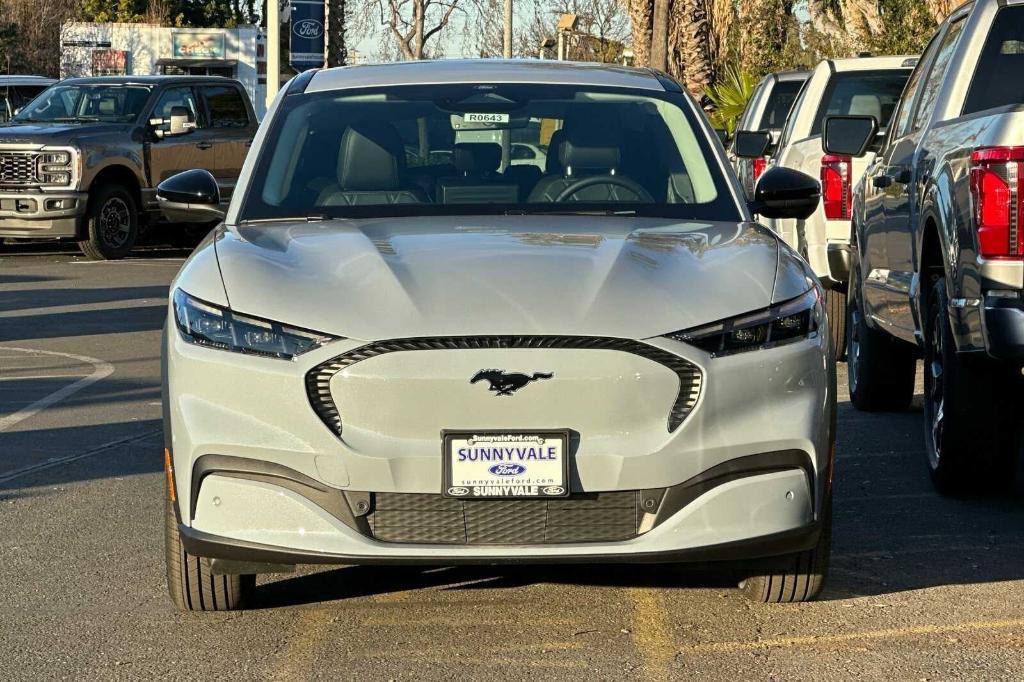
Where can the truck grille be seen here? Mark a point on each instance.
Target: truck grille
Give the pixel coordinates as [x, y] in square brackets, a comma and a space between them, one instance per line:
[433, 519]
[18, 168]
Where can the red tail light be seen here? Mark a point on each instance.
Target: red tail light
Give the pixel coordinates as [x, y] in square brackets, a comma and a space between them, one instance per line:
[759, 165]
[995, 178]
[836, 186]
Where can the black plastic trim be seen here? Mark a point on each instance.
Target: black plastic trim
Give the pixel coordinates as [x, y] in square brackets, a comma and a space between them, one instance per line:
[318, 379]
[298, 85]
[198, 543]
[1002, 323]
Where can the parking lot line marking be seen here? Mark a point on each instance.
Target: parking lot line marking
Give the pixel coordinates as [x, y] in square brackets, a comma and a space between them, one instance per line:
[59, 461]
[41, 376]
[651, 632]
[101, 370]
[819, 640]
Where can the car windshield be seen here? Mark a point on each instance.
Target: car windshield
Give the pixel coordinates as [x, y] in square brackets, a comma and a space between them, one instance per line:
[487, 149]
[107, 102]
[862, 93]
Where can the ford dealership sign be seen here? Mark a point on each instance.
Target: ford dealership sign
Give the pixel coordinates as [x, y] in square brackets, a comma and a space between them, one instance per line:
[306, 37]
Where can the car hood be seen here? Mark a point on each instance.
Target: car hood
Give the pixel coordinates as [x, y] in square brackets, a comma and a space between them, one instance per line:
[453, 276]
[55, 133]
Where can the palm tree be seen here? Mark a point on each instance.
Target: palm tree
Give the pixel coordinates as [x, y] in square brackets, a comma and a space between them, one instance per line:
[690, 51]
[730, 97]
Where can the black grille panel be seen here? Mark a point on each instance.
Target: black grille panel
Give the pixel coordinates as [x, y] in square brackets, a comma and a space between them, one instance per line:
[18, 168]
[433, 519]
[318, 379]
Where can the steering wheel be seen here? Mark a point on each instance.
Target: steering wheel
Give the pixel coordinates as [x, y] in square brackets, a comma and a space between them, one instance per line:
[584, 183]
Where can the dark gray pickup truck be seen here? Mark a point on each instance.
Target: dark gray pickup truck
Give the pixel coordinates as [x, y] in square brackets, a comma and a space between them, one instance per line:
[82, 160]
[938, 257]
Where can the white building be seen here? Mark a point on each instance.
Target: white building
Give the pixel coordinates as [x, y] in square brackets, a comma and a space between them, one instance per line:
[91, 49]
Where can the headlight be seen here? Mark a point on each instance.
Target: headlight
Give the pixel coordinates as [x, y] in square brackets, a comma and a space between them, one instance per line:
[793, 320]
[55, 167]
[210, 325]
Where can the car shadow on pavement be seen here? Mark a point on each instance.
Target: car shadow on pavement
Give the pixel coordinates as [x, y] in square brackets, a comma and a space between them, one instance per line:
[36, 299]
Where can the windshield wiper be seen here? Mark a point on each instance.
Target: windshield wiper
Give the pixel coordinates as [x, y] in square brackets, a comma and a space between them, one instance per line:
[574, 211]
[74, 119]
[288, 219]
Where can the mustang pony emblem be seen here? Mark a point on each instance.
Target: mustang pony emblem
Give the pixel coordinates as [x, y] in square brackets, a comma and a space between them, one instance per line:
[503, 383]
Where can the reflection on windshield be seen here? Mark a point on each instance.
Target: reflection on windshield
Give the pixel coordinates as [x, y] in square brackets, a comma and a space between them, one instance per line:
[465, 149]
[73, 103]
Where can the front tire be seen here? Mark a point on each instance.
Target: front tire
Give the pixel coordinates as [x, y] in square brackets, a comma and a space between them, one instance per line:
[969, 430]
[111, 224]
[803, 575]
[881, 369]
[191, 584]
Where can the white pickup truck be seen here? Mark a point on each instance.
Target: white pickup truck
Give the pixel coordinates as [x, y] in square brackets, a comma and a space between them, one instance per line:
[868, 86]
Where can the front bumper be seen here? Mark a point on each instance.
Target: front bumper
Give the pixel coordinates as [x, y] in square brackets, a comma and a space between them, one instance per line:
[757, 506]
[1003, 328]
[227, 405]
[41, 214]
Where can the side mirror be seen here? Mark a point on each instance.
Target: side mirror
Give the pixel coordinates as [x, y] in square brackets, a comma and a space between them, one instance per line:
[723, 135]
[786, 193]
[751, 144]
[179, 123]
[848, 135]
[190, 197]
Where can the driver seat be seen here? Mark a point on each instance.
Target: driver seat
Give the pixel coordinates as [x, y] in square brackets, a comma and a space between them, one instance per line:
[588, 150]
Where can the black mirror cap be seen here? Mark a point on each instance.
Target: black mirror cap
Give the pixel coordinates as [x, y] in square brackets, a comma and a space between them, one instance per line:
[848, 135]
[786, 193]
[196, 186]
[723, 135]
[751, 144]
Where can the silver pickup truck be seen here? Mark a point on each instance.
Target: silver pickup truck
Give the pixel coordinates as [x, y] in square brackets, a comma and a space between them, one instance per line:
[81, 161]
[938, 257]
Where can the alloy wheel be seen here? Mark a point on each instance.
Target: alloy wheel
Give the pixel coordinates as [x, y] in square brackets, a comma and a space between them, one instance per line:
[115, 222]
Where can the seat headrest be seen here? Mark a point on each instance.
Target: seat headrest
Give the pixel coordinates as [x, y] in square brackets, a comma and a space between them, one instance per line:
[589, 145]
[472, 157]
[867, 105]
[370, 157]
[553, 163]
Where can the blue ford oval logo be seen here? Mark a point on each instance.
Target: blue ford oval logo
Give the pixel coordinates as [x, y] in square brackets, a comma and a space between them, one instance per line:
[507, 469]
[310, 29]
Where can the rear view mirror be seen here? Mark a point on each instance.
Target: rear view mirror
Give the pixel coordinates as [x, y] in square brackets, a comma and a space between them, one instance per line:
[751, 144]
[786, 193]
[190, 197]
[848, 135]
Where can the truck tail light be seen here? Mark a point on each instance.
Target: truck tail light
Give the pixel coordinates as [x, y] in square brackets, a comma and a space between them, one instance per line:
[758, 167]
[995, 179]
[836, 186]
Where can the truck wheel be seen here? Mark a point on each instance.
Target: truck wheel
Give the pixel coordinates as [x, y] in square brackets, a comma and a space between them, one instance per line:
[880, 369]
[969, 435]
[835, 302]
[112, 224]
[192, 586]
[805, 576]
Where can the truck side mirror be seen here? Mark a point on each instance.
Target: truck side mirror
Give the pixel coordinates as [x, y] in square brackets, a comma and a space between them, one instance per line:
[179, 123]
[751, 144]
[848, 135]
[190, 197]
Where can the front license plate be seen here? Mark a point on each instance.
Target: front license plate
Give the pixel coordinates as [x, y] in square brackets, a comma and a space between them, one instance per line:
[491, 464]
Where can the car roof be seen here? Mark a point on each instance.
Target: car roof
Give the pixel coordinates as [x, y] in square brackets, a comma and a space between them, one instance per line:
[14, 79]
[146, 80]
[907, 61]
[484, 70]
[790, 75]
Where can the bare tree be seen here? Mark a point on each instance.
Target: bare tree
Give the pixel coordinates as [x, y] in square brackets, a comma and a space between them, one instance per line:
[412, 23]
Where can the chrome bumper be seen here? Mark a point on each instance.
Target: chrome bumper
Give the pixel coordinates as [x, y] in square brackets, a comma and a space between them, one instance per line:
[41, 214]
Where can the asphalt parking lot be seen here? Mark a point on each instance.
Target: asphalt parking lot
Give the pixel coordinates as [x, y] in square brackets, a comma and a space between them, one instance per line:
[921, 587]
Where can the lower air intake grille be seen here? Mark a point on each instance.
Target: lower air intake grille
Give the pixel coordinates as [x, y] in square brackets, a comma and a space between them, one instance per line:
[433, 519]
